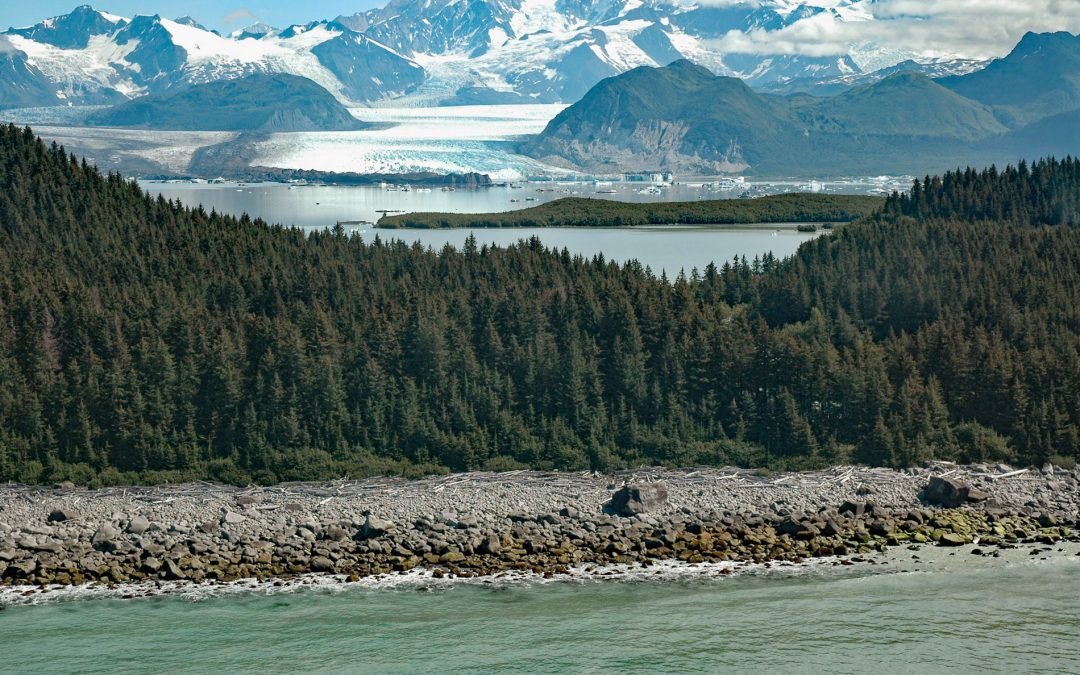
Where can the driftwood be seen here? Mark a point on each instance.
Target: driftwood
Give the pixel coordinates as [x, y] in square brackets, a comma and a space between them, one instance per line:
[1010, 474]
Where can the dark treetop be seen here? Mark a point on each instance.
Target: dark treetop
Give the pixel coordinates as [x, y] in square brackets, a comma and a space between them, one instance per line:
[141, 340]
[584, 212]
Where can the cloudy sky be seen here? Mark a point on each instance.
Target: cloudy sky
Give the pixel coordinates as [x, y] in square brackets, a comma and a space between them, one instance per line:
[974, 28]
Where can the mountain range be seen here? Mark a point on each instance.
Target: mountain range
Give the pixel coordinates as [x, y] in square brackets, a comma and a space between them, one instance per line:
[267, 102]
[433, 51]
[686, 119]
[90, 57]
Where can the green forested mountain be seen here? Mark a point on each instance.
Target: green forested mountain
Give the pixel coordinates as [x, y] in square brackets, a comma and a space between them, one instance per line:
[1038, 78]
[140, 340]
[685, 119]
[903, 105]
[256, 102]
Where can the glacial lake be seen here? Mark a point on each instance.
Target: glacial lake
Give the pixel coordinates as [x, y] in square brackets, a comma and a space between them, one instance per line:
[670, 248]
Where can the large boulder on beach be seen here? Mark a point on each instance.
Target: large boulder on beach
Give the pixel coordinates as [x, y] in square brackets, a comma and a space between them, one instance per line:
[373, 527]
[138, 525]
[104, 536]
[232, 518]
[951, 493]
[631, 500]
[62, 515]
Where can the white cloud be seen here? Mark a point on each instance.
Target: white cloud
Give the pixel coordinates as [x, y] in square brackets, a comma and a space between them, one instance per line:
[929, 28]
[240, 16]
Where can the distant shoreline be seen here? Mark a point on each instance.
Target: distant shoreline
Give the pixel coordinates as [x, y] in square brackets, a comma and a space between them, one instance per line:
[500, 525]
[588, 212]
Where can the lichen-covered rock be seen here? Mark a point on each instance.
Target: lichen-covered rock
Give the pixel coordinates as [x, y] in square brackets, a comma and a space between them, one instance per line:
[953, 539]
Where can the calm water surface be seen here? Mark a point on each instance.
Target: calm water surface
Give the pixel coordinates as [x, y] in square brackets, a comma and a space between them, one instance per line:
[668, 248]
[1019, 618]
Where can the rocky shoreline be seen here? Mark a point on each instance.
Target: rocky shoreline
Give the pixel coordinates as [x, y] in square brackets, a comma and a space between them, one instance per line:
[528, 523]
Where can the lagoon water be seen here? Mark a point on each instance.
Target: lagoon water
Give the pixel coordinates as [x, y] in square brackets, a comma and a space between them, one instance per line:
[667, 248]
[958, 616]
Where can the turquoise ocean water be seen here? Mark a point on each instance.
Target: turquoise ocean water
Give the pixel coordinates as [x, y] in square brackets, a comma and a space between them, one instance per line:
[1020, 617]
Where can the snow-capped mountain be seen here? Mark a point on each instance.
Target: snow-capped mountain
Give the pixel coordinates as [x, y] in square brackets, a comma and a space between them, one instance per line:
[429, 51]
[91, 57]
[555, 50]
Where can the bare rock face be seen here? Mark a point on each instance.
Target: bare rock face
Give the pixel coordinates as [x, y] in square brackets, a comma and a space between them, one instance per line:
[631, 500]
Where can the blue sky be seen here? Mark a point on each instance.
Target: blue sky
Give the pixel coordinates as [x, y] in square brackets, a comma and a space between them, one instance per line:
[223, 15]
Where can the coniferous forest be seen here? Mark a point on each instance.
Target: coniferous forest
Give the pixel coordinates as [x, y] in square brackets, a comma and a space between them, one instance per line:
[144, 341]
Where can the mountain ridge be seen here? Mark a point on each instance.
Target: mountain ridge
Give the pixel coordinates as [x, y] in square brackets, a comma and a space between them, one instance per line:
[257, 102]
[684, 119]
[441, 51]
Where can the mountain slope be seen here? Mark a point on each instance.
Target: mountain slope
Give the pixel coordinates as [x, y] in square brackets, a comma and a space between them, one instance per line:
[366, 70]
[93, 57]
[681, 117]
[684, 119]
[1039, 77]
[71, 31]
[1055, 135]
[22, 85]
[906, 104]
[258, 102]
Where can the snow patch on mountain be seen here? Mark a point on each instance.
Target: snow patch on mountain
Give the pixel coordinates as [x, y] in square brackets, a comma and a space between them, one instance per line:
[424, 52]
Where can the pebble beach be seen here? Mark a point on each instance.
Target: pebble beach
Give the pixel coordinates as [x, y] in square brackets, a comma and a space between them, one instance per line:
[488, 525]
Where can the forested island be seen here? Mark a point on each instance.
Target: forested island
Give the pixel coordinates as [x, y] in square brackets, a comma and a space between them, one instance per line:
[587, 212]
[142, 341]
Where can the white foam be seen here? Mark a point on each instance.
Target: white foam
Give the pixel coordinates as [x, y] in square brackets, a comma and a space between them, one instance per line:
[418, 578]
[897, 560]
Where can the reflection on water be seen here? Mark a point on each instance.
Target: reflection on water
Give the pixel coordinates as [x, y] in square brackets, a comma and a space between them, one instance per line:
[667, 248]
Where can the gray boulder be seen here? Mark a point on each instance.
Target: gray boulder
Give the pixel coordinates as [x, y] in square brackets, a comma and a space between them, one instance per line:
[138, 525]
[21, 570]
[63, 514]
[946, 492]
[336, 533]
[232, 518]
[104, 536]
[631, 500]
[173, 571]
[374, 527]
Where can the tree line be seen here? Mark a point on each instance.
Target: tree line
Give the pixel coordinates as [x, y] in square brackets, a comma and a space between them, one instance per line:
[588, 212]
[141, 340]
